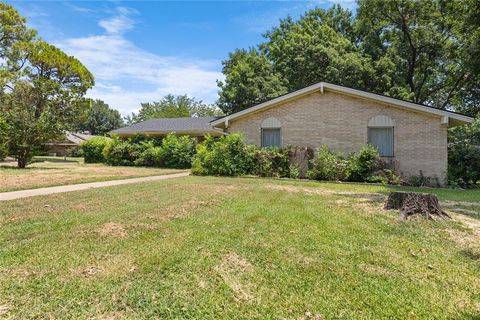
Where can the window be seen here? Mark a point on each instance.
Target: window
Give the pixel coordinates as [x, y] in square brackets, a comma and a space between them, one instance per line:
[271, 137]
[382, 138]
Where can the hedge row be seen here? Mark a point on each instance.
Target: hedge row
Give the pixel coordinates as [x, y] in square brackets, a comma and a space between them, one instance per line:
[231, 156]
[172, 151]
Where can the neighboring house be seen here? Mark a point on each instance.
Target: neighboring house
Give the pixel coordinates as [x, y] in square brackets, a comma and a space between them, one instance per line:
[70, 143]
[194, 127]
[411, 136]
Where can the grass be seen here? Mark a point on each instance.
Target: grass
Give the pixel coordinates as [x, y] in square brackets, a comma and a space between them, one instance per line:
[234, 248]
[46, 174]
[57, 159]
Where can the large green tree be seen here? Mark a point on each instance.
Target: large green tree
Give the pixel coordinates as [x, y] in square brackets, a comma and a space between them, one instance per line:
[44, 88]
[100, 118]
[422, 51]
[172, 106]
[249, 79]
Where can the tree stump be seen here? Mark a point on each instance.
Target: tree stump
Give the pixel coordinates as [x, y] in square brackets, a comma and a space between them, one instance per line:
[412, 203]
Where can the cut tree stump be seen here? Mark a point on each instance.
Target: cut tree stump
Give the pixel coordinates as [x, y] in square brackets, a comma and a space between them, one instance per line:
[412, 203]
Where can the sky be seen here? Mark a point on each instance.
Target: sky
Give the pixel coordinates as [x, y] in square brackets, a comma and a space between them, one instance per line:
[139, 51]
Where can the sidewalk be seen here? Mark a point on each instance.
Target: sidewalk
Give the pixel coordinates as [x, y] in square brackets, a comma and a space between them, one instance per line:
[12, 195]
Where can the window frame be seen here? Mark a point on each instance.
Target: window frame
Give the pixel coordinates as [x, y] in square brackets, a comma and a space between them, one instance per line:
[393, 138]
[280, 137]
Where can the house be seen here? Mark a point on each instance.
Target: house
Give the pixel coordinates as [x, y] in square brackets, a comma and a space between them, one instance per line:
[70, 143]
[412, 137]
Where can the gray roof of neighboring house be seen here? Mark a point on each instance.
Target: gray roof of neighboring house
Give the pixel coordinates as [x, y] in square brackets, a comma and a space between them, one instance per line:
[168, 125]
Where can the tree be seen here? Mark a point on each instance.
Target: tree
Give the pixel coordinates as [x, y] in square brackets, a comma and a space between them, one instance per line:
[100, 119]
[250, 79]
[172, 106]
[423, 41]
[43, 93]
[422, 51]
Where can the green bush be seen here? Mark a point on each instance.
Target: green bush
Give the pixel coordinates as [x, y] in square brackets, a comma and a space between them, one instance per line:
[362, 164]
[93, 149]
[177, 152]
[225, 156]
[327, 165]
[123, 152]
[151, 157]
[271, 162]
[464, 155]
[386, 176]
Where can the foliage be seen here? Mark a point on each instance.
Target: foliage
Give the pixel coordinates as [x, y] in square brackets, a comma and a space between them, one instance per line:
[225, 156]
[423, 181]
[422, 51]
[151, 157]
[100, 119]
[271, 162]
[177, 152]
[41, 87]
[362, 164]
[464, 155]
[386, 176]
[93, 149]
[249, 79]
[172, 106]
[327, 165]
[123, 152]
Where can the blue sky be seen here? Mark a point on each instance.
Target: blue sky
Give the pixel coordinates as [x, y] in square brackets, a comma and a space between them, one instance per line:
[139, 51]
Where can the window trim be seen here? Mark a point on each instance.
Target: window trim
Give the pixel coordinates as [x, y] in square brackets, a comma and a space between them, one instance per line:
[393, 139]
[261, 137]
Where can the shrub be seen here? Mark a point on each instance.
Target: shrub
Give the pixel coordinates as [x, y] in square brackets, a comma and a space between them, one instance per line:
[177, 152]
[362, 164]
[225, 156]
[271, 162]
[123, 152]
[327, 165]
[386, 176]
[423, 181]
[464, 155]
[151, 157]
[93, 149]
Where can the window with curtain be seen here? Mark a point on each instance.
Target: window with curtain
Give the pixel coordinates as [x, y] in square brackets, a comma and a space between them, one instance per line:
[382, 138]
[271, 137]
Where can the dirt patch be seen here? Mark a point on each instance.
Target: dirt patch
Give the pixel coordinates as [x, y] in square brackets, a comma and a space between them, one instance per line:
[234, 271]
[310, 316]
[112, 229]
[183, 210]
[4, 310]
[108, 265]
[470, 237]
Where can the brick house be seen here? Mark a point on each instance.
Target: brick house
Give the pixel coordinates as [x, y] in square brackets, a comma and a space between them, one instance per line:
[411, 136]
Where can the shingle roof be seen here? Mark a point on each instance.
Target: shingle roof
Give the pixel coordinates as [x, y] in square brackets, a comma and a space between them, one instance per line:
[167, 125]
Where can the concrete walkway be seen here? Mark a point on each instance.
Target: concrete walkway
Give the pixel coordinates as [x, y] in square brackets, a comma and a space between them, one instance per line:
[12, 195]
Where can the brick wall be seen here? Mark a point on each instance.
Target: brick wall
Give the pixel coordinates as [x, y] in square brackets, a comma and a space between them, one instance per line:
[340, 121]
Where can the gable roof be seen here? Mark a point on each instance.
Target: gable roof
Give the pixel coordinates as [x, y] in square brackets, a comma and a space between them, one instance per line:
[452, 118]
[167, 125]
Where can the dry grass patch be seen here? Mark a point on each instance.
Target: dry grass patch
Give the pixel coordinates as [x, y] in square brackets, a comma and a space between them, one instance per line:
[234, 270]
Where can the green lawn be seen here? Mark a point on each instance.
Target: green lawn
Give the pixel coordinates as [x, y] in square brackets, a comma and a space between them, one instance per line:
[236, 248]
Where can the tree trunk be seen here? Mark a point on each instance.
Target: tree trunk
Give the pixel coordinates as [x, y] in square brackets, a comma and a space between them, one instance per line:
[22, 159]
[412, 203]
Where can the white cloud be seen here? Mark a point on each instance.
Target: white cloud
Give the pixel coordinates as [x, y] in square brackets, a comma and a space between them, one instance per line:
[127, 75]
[119, 23]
